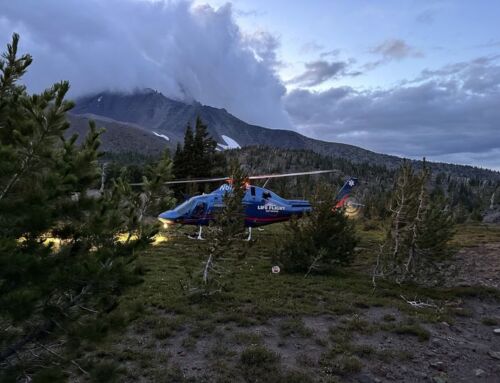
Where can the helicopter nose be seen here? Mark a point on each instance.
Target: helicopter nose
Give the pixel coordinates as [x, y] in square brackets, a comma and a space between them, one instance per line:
[168, 217]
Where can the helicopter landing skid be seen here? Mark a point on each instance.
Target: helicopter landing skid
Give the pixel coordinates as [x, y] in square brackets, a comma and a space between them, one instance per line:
[198, 236]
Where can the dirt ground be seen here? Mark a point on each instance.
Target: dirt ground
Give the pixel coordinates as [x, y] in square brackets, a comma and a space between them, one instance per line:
[375, 344]
[479, 265]
[465, 351]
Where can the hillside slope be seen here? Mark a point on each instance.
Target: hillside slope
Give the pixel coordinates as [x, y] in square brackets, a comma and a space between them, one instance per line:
[119, 137]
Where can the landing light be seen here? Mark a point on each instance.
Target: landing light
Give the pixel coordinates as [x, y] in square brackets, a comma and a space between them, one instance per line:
[166, 222]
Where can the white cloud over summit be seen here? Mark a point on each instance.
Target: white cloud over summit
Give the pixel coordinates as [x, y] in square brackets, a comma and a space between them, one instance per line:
[182, 50]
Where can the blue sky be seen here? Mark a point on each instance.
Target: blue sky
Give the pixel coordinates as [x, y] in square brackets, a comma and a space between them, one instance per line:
[442, 31]
[406, 77]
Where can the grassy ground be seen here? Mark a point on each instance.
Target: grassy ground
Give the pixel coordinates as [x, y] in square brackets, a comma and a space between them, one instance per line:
[468, 235]
[266, 327]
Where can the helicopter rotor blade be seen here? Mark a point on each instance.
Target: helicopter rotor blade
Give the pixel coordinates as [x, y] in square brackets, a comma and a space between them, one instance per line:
[187, 181]
[258, 177]
[291, 174]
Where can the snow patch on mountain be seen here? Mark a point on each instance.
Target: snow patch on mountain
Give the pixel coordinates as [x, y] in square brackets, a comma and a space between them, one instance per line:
[230, 143]
[161, 135]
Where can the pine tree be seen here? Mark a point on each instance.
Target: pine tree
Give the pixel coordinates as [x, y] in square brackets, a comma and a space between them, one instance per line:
[198, 157]
[189, 153]
[226, 234]
[416, 240]
[153, 197]
[204, 150]
[184, 161]
[178, 165]
[59, 239]
[435, 230]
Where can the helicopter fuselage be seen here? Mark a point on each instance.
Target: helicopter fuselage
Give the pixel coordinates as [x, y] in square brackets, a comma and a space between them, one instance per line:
[261, 206]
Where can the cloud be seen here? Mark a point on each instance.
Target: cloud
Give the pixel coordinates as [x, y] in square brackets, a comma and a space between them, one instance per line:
[451, 115]
[479, 76]
[317, 72]
[249, 13]
[426, 17]
[489, 44]
[185, 51]
[332, 53]
[311, 47]
[264, 46]
[395, 49]
[391, 50]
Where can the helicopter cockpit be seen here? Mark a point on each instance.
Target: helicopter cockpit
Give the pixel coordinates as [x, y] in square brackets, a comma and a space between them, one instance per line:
[195, 206]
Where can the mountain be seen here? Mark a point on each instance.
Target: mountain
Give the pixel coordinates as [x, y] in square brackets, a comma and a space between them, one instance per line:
[146, 122]
[152, 111]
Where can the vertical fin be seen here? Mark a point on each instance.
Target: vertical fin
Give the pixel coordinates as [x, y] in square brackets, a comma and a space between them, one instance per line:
[344, 192]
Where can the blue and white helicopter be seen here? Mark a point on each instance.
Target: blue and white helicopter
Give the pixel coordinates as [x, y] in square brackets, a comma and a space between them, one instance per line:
[262, 206]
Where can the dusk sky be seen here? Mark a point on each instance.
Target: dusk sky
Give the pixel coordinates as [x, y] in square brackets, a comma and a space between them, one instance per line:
[407, 77]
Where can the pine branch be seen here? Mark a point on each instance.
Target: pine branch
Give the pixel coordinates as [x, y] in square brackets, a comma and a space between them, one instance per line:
[315, 261]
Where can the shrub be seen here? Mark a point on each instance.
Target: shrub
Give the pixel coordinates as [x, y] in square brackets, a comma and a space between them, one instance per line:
[413, 329]
[321, 241]
[345, 365]
[105, 372]
[488, 321]
[294, 327]
[258, 364]
[258, 356]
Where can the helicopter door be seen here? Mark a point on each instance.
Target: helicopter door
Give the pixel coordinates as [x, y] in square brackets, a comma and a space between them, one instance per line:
[199, 210]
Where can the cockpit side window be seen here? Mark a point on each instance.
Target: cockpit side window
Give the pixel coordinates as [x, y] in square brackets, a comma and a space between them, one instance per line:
[252, 191]
[199, 209]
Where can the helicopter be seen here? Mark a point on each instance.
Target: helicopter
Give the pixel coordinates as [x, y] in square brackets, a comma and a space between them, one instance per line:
[262, 206]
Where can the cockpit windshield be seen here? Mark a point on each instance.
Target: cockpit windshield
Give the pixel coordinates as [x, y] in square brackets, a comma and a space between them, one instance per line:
[187, 206]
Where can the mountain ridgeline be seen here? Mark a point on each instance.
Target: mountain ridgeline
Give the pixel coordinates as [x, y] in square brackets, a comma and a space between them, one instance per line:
[145, 122]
